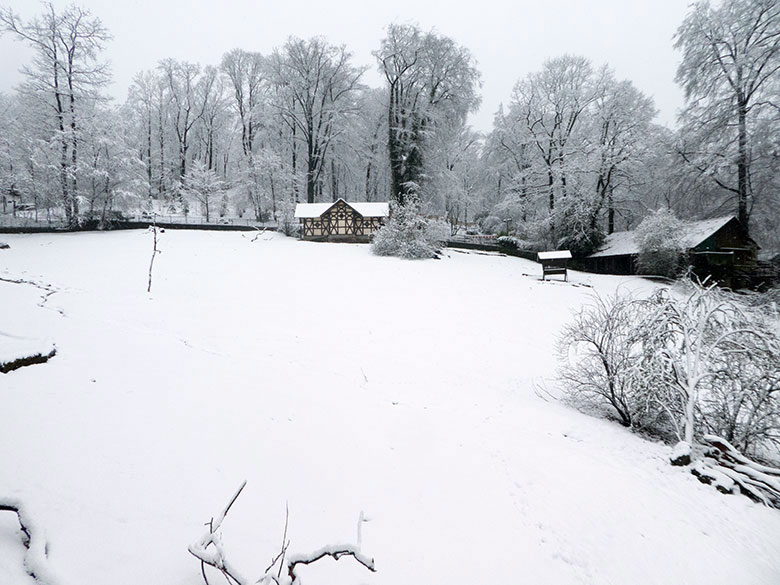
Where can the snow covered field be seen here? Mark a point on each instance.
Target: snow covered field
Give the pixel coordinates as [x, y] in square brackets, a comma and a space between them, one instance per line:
[336, 382]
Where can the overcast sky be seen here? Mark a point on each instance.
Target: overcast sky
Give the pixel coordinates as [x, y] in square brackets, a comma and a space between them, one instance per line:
[509, 39]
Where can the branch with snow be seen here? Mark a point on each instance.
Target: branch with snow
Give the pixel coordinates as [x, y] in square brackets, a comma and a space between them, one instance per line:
[215, 556]
[35, 559]
[334, 551]
[209, 550]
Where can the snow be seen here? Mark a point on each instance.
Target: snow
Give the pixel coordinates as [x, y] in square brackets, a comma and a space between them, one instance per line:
[14, 347]
[623, 243]
[268, 361]
[371, 208]
[554, 255]
[311, 209]
[366, 209]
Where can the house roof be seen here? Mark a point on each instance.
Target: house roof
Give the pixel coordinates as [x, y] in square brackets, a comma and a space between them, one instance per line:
[364, 208]
[694, 233]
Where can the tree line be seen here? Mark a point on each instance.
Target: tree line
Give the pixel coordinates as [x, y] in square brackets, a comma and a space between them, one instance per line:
[573, 155]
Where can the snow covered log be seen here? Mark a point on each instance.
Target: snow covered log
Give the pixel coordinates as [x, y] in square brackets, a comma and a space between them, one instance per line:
[17, 352]
[27, 360]
[728, 469]
[34, 540]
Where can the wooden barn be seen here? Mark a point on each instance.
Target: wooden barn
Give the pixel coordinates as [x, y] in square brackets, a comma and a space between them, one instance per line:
[341, 221]
[719, 247]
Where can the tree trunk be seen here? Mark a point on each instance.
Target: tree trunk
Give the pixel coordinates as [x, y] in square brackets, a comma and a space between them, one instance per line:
[742, 161]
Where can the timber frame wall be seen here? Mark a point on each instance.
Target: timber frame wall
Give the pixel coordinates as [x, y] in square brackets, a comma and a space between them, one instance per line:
[340, 222]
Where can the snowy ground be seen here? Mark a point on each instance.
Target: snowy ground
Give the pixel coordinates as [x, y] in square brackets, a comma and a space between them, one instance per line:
[337, 382]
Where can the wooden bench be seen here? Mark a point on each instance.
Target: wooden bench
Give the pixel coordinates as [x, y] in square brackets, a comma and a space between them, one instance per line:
[554, 262]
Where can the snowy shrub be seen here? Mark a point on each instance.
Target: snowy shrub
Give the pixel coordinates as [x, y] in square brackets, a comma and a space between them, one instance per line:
[599, 353]
[491, 224]
[713, 365]
[661, 249]
[576, 229]
[686, 363]
[509, 242]
[409, 235]
[513, 244]
[288, 225]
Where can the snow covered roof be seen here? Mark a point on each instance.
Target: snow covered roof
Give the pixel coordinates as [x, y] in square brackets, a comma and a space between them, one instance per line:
[554, 255]
[695, 232]
[371, 208]
[364, 208]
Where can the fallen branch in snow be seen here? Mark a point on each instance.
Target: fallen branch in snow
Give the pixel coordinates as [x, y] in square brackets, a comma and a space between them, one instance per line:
[209, 551]
[36, 358]
[729, 470]
[35, 563]
[216, 557]
[336, 552]
[259, 233]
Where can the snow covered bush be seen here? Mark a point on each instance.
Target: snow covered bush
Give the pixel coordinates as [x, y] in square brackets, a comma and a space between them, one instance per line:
[599, 353]
[288, 225]
[491, 224]
[661, 248]
[576, 228]
[408, 234]
[513, 243]
[682, 363]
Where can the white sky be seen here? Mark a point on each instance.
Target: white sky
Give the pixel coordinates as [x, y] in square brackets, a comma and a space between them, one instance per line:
[508, 38]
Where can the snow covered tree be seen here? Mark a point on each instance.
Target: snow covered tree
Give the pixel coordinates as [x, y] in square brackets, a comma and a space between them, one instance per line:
[432, 82]
[661, 247]
[316, 87]
[187, 106]
[620, 124]
[408, 234]
[730, 64]
[202, 184]
[686, 342]
[65, 77]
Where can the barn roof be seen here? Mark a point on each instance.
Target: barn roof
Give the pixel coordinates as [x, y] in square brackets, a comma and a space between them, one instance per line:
[364, 208]
[695, 232]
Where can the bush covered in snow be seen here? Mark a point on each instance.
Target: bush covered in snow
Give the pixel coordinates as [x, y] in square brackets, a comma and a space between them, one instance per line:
[599, 351]
[285, 214]
[680, 363]
[575, 227]
[408, 234]
[491, 224]
[513, 243]
[661, 249]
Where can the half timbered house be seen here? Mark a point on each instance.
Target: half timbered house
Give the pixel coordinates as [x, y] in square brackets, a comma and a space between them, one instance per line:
[341, 221]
